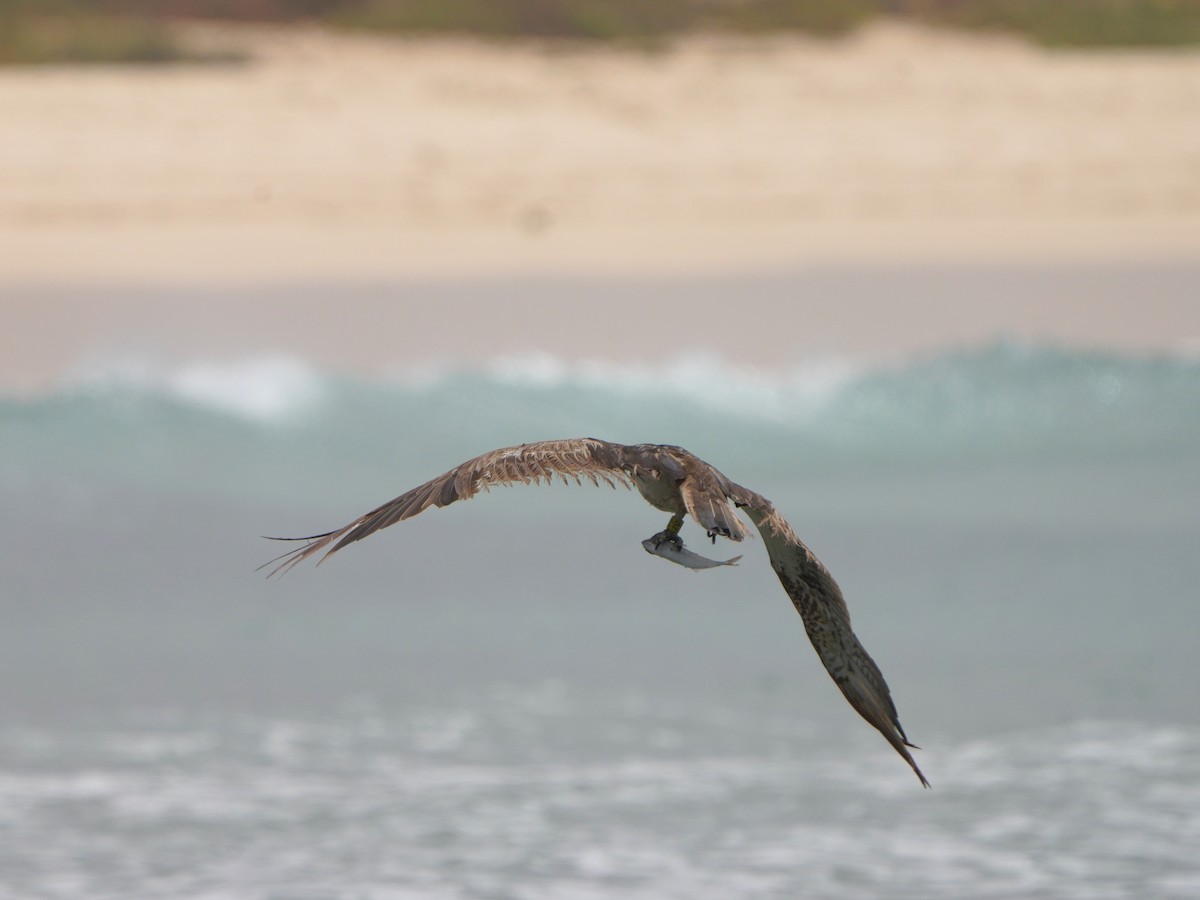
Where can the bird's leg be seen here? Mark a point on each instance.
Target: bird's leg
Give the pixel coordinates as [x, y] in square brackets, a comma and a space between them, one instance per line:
[670, 533]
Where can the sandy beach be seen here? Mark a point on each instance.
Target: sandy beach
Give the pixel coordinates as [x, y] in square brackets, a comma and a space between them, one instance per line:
[352, 160]
[328, 156]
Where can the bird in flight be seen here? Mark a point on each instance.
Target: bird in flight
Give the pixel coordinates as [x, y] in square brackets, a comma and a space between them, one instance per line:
[678, 482]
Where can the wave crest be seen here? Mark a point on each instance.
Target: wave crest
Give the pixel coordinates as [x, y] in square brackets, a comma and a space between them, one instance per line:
[268, 388]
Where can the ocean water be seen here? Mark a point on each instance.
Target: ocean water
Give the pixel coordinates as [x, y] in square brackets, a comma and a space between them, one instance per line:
[510, 699]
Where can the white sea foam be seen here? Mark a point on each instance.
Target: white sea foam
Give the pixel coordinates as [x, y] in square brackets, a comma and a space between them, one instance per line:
[273, 388]
[270, 388]
[704, 379]
[390, 818]
[267, 388]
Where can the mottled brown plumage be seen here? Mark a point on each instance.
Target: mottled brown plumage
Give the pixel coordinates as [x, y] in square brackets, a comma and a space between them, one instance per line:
[675, 481]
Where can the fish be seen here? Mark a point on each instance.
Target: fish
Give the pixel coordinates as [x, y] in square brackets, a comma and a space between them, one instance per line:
[680, 555]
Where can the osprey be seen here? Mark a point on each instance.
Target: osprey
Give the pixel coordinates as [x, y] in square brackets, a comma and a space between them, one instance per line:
[675, 481]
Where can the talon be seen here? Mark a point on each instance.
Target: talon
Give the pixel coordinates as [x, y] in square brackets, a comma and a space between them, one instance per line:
[667, 537]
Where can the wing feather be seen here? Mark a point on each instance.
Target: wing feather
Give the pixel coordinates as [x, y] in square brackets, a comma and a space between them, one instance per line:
[826, 618]
[599, 461]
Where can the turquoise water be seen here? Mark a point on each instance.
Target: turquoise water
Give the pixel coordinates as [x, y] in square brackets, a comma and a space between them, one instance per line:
[510, 698]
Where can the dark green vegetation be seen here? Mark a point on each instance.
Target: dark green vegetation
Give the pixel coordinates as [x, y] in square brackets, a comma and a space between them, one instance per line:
[1072, 23]
[140, 30]
[93, 31]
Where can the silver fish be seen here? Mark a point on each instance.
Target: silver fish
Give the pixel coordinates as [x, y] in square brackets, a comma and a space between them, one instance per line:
[680, 555]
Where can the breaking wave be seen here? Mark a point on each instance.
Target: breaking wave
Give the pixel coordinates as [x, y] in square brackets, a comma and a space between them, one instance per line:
[1001, 401]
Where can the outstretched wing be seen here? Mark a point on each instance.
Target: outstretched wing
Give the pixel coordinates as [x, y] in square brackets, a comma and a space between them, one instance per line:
[822, 608]
[577, 459]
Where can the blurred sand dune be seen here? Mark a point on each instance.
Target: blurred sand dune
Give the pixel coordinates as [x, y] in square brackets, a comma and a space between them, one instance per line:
[347, 156]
